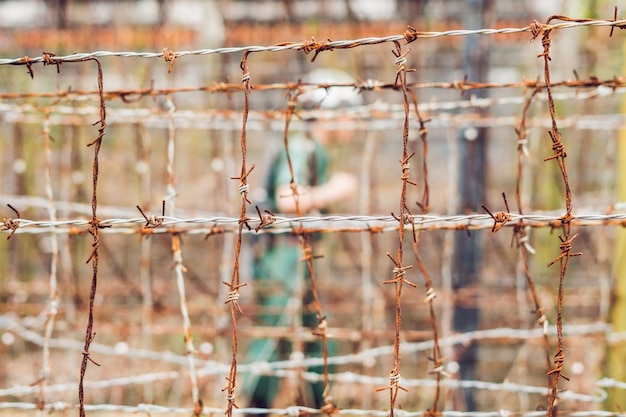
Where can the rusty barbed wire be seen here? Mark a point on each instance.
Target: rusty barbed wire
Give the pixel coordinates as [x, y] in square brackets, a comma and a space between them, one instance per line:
[299, 410]
[10, 223]
[270, 223]
[436, 354]
[399, 270]
[566, 239]
[346, 377]
[133, 95]
[376, 116]
[321, 224]
[521, 231]
[235, 281]
[93, 229]
[410, 35]
[308, 256]
[210, 367]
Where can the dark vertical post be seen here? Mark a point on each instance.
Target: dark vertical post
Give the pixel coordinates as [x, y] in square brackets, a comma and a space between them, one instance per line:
[467, 248]
[61, 6]
[162, 12]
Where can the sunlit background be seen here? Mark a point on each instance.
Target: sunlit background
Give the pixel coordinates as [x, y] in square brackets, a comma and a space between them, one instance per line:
[137, 311]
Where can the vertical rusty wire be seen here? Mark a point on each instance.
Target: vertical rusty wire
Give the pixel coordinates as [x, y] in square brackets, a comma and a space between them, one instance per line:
[294, 307]
[403, 218]
[228, 247]
[235, 279]
[436, 356]
[52, 308]
[521, 230]
[308, 257]
[566, 238]
[94, 227]
[322, 325]
[179, 268]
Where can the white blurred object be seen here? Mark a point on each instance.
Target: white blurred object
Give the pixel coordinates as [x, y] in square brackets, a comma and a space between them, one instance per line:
[373, 9]
[204, 16]
[332, 97]
[22, 13]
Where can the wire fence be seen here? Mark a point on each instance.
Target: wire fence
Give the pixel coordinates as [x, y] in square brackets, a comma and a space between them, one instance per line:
[399, 318]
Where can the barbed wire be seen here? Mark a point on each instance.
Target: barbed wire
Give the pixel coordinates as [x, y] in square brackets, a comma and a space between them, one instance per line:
[294, 411]
[134, 95]
[206, 368]
[344, 377]
[613, 338]
[376, 116]
[303, 226]
[125, 213]
[410, 35]
[328, 224]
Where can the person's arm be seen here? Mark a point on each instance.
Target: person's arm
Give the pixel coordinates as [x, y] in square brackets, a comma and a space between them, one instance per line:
[340, 186]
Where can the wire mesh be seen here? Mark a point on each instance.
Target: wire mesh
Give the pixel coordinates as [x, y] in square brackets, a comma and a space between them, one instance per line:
[219, 225]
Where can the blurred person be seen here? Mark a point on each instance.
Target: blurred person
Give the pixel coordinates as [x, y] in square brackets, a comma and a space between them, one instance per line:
[279, 273]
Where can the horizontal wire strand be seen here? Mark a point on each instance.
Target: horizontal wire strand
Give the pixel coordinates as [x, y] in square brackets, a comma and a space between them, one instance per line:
[342, 44]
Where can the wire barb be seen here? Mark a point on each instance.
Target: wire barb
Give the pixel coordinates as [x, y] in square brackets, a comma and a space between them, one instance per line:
[169, 56]
[153, 221]
[501, 218]
[9, 223]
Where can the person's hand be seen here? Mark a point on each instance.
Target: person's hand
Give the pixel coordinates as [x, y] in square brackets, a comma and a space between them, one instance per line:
[341, 186]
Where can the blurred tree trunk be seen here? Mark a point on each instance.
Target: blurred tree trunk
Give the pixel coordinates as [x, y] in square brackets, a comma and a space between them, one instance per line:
[61, 12]
[616, 363]
[467, 248]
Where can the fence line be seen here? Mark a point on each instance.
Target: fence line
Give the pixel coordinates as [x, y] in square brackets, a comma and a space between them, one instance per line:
[376, 116]
[294, 411]
[8, 323]
[402, 221]
[410, 35]
[324, 224]
[131, 95]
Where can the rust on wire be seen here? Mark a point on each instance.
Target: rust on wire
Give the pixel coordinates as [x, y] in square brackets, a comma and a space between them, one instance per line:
[520, 230]
[436, 356]
[95, 226]
[169, 56]
[48, 59]
[9, 223]
[264, 219]
[215, 230]
[424, 204]
[153, 221]
[405, 215]
[566, 238]
[235, 282]
[303, 234]
[501, 218]
[25, 60]
[313, 45]
[520, 225]
[410, 34]
[131, 95]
